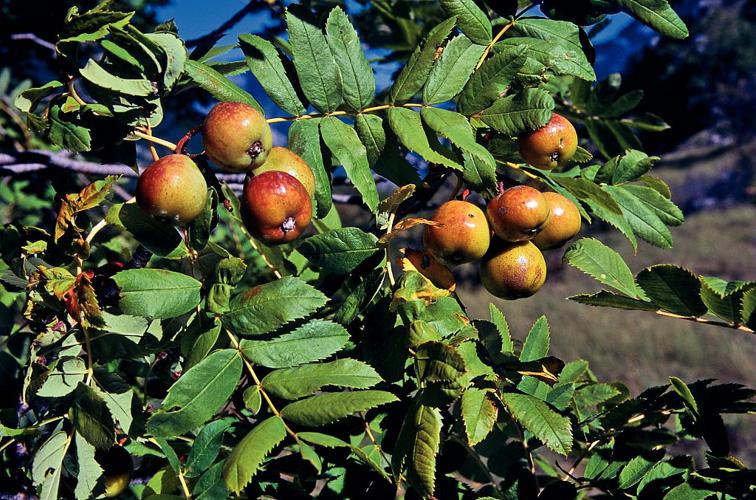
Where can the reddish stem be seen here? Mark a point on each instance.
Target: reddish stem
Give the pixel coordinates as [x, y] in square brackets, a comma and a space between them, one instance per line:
[181, 145]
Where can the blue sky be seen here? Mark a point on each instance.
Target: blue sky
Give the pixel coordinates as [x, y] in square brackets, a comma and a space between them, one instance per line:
[197, 17]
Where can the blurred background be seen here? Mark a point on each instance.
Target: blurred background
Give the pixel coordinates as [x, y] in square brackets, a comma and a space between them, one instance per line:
[704, 87]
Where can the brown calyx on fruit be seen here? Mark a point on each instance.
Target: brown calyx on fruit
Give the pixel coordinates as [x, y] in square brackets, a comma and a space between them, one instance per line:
[236, 136]
[276, 207]
[282, 159]
[429, 267]
[463, 234]
[172, 189]
[550, 146]
[513, 270]
[563, 224]
[518, 213]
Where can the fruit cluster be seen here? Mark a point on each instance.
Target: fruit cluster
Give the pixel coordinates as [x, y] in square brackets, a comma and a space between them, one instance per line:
[276, 204]
[518, 223]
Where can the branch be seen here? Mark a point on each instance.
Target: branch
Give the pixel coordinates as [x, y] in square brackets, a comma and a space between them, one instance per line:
[34, 38]
[35, 160]
[251, 7]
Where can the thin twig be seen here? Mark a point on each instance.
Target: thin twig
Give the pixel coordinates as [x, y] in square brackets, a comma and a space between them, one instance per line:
[34, 38]
[706, 321]
[493, 42]
[157, 140]
[258, 383]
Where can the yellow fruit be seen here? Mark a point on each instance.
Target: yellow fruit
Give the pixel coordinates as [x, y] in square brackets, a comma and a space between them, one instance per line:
[513, 270]
[550, 146]
[563, 224]
[462, 235]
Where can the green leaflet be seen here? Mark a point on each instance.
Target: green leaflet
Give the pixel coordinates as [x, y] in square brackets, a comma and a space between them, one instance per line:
[341, 250]
[356, 73]
[408, 127]
[247, 457]
[673, 289]
[268, 307]
[415, 73]
[478, 414]
[89, 470]
[47, 466]
[497, 318]
[604, 264]
[318, 73]
[457, 129]
[537, 342]
[519, 113]
[92, 418]
[417, 446]
[642, 217]
[157, 293]
[197, 394]
[304, 139]
[562, 59]
[609, 299]
[554, 430]
[471, 19]
[658, 14]
[439, 362]
[97, 75]
[453, 69]
[346, 146]
[265, 63]
[489, 81]
[304, 380]
[206, 447]
[218, 85]
[313, 341]
[326, 408]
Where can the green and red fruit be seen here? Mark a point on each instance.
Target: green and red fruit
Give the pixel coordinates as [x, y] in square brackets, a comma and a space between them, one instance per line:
[285, 160]
[276, 207]
[172, 189]
[550, 146]
[518, 213]
[563, 224]
[463, 234]
[236, 137]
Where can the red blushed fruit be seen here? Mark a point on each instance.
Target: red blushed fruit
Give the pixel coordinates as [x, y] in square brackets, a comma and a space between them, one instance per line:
[172, 189]
[551, 146]
[276, 207]
[236, 136]
[518, 213]
[462, 234]
[563, 225]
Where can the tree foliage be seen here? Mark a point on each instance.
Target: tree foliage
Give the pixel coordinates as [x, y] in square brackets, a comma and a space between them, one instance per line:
[227, 367]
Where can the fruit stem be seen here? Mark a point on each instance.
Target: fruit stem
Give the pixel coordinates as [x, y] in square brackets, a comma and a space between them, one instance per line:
[181, 144]
[72, 92]
[156, 140]
[517, 167]
[265, 259]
